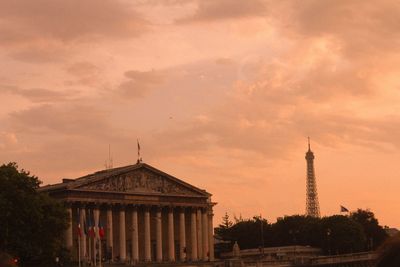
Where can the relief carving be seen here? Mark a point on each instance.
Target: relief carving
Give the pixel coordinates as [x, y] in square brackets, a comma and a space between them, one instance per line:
[139, 181]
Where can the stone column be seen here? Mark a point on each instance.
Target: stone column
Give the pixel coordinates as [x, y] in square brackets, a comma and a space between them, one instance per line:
[171, 235]
[182, 235]
[96, 214]
[135, 236]
[159, 255]
[122, 235]
[147, 240]
[193, 235]
[199, 235]
[109, 231]
[83, 237]
[88, 241]
[69, 233]
[205, 235]
[210, 235]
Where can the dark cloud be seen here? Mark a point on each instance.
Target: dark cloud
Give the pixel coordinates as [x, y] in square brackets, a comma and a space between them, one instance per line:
[84, 73]
[210, 10]
[322, 81]
[287, 101]
[46, 31]
[67, 20]
[66, 138]
[224, 61]
[45, 52]
[82, 69]
[140, 83]
[69, 120]
[150, 77]
[38, 94]
[270, 133]
[364, 29]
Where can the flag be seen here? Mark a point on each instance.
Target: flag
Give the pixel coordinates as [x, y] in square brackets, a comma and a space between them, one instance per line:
[79, 229]
[101, 229]
[343, 209]
[138, 149]
[85, 226]
[90, 224]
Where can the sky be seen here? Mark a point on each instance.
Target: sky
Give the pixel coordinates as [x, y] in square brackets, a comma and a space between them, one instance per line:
[221, 94]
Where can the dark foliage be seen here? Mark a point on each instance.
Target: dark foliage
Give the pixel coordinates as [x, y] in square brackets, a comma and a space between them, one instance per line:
[339, 234]
[375, 233]
[389, 253]
[295, 230]
[31, 223]
[334, 234]
[250, 233]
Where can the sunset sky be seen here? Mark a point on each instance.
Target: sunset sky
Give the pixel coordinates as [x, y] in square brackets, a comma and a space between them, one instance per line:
[221, 93]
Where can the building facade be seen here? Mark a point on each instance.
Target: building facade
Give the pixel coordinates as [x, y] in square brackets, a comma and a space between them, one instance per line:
[146, 214]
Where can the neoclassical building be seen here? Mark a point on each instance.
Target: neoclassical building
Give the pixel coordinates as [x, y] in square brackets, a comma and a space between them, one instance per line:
[147, 215]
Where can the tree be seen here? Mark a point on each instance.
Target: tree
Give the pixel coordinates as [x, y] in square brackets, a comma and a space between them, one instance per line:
[223, 234]
[375, 233]
[31, 223]
[339, 234]
[222, 231]
[296, 230]
[334, 234]
[247, 232]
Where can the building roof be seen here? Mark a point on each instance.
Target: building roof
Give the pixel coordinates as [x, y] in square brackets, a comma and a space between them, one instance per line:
[85, 183]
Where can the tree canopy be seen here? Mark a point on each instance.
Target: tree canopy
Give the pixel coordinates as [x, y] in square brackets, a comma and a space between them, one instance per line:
[333, 234]
[31, 223]
[374, 232]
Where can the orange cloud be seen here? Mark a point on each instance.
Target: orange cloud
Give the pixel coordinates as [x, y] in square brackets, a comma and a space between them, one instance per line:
[236, 88]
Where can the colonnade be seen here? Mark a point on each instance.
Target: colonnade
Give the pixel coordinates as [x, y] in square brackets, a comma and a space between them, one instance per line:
[146, 243]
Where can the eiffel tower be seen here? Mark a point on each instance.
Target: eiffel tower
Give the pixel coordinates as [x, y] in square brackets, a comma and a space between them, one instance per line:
[312, 208]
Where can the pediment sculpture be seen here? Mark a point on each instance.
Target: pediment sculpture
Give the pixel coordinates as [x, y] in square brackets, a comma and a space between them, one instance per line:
[140, 181]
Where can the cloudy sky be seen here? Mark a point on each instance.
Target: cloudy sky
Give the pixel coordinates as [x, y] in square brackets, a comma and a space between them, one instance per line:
[221, 93]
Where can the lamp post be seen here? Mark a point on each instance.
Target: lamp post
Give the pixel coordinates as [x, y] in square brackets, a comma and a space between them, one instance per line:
[328, 234]
[262, 236]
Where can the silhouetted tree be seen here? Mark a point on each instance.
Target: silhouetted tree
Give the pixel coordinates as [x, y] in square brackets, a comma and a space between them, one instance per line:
[31, 223]
[334, 234]
[222, 233]
[247, 232]
[340, 234]
[389, 253]
[374, 233]
[296, 230]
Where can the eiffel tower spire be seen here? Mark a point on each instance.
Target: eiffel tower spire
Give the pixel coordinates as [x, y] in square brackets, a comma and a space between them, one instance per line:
[312, 206]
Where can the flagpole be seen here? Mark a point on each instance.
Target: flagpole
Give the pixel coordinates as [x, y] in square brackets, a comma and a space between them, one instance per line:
[100, 246]
[99, 235]
[79, 251]
[90, 248]
[95, 240]
[94, 249]
[79, 236]
[95, 234]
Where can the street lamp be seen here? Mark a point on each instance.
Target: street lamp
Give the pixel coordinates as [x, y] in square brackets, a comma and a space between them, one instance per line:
[262, 237]
[328, 234]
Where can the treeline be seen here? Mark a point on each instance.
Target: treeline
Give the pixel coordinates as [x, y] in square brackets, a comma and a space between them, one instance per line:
[359, 231]
[31, 224]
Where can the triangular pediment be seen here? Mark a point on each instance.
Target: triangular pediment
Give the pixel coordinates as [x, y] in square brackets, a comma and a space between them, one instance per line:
[138, 180]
